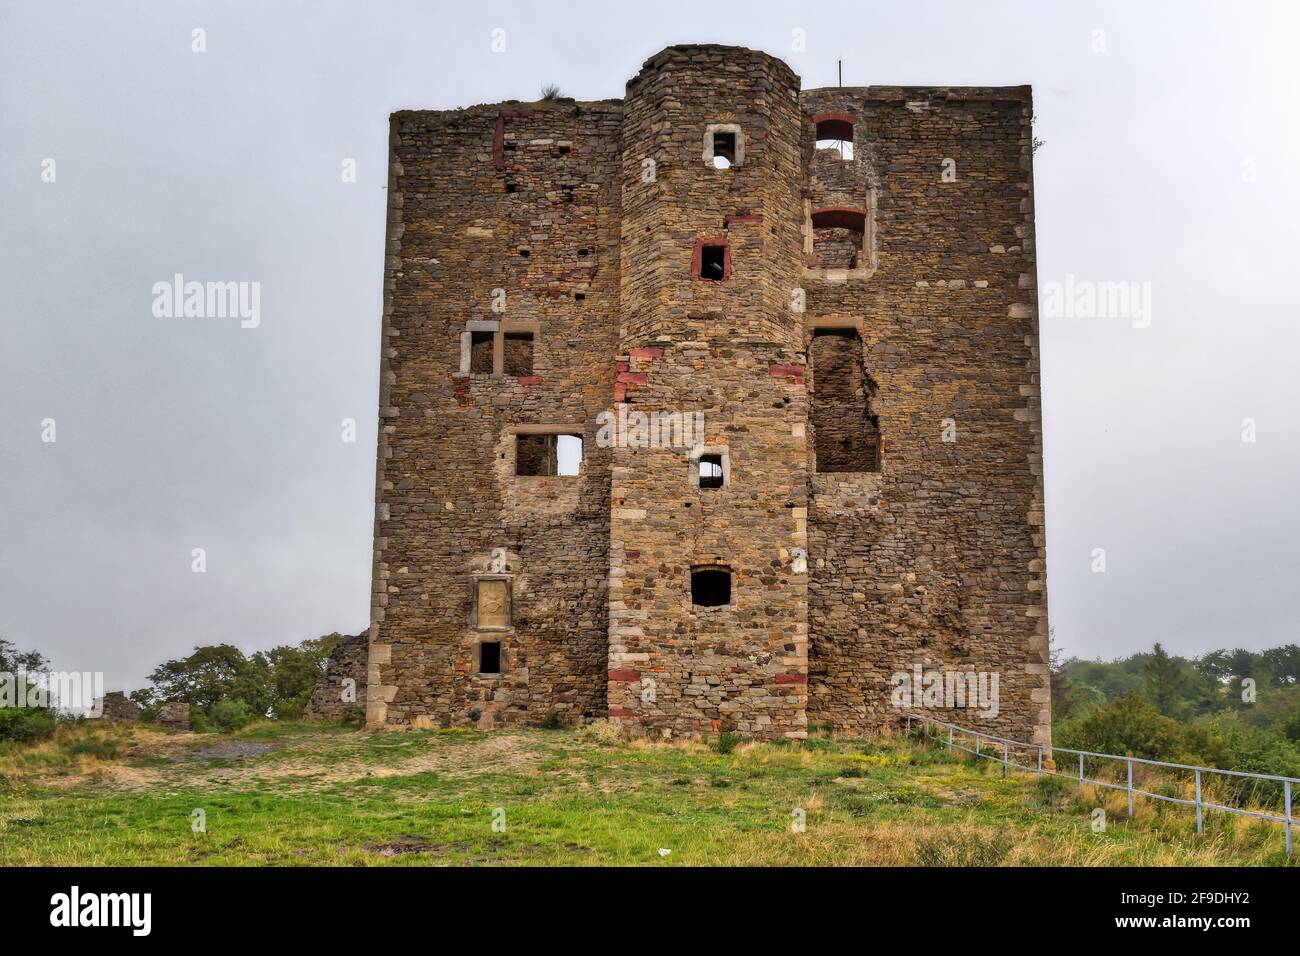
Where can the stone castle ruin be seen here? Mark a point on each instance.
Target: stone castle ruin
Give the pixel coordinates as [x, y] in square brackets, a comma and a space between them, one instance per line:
[710, 409]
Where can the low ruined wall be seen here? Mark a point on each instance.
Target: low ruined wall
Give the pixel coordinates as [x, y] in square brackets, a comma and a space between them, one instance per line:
[342, 688]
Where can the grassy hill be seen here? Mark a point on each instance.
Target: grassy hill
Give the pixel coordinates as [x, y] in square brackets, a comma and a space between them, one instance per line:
[283, 793]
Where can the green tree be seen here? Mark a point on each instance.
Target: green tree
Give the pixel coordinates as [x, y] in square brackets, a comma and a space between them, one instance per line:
[12, 659]
[1165, 682]
[211, 674]
[295, 672]
[23, 724]
[276, 683]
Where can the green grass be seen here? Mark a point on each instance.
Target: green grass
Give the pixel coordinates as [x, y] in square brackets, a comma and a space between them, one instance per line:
[292, 794]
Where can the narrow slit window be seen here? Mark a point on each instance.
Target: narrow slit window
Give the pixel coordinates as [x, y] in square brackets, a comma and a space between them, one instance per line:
[481, 350]
[489, 657]
[710, 587]
[724, 150]
[710, 471]
[517, 357]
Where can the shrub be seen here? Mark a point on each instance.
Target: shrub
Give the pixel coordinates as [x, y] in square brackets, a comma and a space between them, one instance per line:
[94, 745]
[602, 732]
[1126, 726]
[230, 715]
[726, 743]
[26, 724]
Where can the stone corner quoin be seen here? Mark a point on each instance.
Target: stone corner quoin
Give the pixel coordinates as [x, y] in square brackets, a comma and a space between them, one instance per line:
[831, 296]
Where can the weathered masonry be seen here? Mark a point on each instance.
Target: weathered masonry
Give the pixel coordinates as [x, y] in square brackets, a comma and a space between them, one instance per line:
[710, 409]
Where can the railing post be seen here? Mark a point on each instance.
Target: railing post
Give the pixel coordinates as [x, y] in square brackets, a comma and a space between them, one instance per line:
[1130, 788]
[1081, 770]
[1199, 822]
[977, 743]
[909, 725]
[1006, 750]
[1288, 818]
[950, 738]
[1040, 761]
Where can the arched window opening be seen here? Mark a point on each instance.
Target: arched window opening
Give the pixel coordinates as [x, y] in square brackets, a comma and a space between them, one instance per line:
[839, 236]
[835, 132]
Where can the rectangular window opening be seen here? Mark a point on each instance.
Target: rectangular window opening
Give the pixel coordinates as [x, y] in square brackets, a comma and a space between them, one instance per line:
[710, 471]
[713, 263]
[489, 657]
[481, 351]
[548, 455]
[710, 587]
[518, 353]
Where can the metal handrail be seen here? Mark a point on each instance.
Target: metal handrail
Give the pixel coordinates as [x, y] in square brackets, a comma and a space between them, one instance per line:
[1289, 820]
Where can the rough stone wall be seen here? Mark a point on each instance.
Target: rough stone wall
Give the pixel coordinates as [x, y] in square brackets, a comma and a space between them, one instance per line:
[174, 715]
[500, 217]
[348, 661]
[116, 707]
[938, 559]
[590, 218]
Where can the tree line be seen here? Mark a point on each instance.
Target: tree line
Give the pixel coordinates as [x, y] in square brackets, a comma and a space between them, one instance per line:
[1230, 708]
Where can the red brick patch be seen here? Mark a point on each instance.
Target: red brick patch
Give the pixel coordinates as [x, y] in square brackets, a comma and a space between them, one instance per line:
[624, 675]
[529, 380]
[621, 712]
[633, 378]
[645, 353]
[783, 371]
[790, 678]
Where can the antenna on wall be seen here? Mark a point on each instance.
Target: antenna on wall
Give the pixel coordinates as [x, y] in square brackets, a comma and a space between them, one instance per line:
[840, 66]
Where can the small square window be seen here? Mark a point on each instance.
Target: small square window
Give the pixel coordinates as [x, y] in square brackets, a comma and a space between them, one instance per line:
[535, 455]
[724, 145]
[489, 657]
[517, 357]
[710, 587]
[710, 471]
[481, 351]
[713, 263]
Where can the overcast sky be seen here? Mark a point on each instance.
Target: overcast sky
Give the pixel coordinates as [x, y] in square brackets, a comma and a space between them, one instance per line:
[1170, 158]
